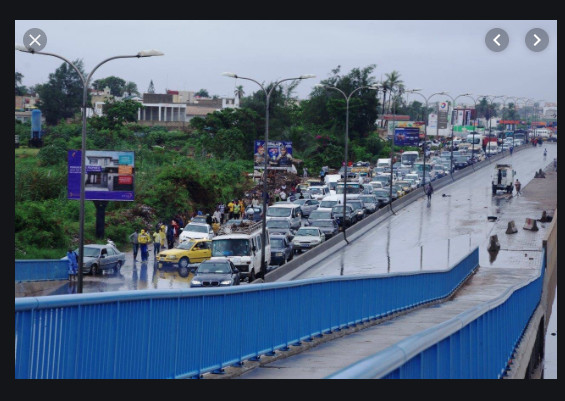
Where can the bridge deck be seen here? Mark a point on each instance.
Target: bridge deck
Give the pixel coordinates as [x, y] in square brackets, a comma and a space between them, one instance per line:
[517, 261]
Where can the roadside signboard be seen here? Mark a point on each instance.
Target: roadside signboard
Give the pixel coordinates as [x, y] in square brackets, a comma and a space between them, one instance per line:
[406, 136]
[280, 155]
[109, 175]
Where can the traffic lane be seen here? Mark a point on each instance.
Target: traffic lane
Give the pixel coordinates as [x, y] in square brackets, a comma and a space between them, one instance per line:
[422, 237]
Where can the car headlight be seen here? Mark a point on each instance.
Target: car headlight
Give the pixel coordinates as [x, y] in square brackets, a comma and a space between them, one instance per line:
[359, 212]
[171, 257]
[225, 282]
[278, 254]
[197, 282]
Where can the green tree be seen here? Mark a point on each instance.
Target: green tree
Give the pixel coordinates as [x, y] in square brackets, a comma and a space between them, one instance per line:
[61, 96]
[391, 83]
[131, 88]
[239, 92]
[117, 85]
[202, 93]
[116, 113]
[20, 89]
[327, 107]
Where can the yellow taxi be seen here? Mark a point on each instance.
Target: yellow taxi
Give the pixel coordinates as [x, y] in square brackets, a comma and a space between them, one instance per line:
[186, 253]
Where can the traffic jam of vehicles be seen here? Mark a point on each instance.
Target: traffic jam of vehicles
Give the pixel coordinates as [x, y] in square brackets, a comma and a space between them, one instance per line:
[229, 252]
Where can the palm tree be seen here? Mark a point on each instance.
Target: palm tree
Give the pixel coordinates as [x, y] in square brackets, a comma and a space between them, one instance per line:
[393, 80]
[239, 92]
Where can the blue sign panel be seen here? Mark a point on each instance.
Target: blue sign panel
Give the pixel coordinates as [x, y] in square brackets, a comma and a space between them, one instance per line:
[406, 136]
[109, 175]
[280, 154]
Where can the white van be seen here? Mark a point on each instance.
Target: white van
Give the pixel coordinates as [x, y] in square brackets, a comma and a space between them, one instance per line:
[330, 201]
[319, 192]
[243, 248]
[331, 182]
[383, 163]
[289, 211]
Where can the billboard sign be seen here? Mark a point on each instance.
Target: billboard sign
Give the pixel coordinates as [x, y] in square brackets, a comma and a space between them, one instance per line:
[442, 115]
[109, 175]
[406, 136]
[280, 154]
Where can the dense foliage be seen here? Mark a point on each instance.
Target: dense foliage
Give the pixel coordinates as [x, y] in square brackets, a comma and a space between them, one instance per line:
[181, 171]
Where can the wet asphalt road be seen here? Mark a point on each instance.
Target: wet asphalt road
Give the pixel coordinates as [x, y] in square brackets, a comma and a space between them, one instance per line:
[418, 237]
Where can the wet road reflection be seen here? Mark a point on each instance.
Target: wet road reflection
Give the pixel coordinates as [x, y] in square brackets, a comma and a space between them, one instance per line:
[434, 237]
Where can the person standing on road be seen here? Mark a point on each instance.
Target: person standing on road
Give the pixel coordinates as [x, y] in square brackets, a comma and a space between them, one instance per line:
[135, 244]
[230, 210]
[429, 191]
[162, 236]
[518, 186]
[236, 209]
[156, 243]
[143, 238]
[171, 235]
[73, 264]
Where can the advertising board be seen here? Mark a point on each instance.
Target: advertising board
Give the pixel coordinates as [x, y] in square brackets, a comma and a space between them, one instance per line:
[109, 175]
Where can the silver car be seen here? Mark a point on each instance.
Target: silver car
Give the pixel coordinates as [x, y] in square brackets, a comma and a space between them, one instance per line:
[98, 258]
[370, 202]
[307, 205]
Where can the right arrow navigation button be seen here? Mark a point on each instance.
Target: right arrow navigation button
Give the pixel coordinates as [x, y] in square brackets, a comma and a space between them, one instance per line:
[537, 40]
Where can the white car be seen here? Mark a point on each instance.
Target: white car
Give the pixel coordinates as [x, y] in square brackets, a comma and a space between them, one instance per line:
[196, 231]
[306, 238]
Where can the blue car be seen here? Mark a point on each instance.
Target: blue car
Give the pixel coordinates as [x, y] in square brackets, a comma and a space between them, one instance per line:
[282, 249]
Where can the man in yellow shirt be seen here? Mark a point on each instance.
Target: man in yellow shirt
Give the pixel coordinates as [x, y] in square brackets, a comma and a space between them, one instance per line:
[144, 239]
[230, 210]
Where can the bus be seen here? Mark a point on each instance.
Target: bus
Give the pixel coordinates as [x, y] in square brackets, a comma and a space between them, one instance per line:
[408, 158]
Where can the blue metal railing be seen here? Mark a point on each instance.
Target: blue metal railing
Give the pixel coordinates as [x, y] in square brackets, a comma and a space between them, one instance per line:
[185, 333]
[477, 344]
[41, 270]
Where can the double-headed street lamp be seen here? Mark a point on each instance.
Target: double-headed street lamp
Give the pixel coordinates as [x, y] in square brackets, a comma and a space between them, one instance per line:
[85, 82]
[347, 98]
[453, 106]
[490, 99]
[426, 99]
[267, 96]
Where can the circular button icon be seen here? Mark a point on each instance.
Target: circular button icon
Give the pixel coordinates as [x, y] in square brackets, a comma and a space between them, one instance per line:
[497, 39]
[35, 39]
[537, 39]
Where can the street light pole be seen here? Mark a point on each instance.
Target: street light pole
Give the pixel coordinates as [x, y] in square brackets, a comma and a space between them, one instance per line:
[347, 98]
[453, 106]
[267, 96]
[85, 82]
[426, 99]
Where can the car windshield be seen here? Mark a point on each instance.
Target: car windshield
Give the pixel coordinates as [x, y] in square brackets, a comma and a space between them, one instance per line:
[320, 214]
[307, 232]
[328, 203]
[195, 228]
[278, 212]
[382, 192]
[356, 204]
[351, 189]
[186, 245]
[315, 190]
[323, 223]
[230, 246]
[277, 243]
[214, 267]
[278, 224]
[368, 199]
[339, 209]
[90, 252]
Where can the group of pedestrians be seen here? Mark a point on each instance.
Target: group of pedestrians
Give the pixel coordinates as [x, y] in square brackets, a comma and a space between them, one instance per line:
[140, 242]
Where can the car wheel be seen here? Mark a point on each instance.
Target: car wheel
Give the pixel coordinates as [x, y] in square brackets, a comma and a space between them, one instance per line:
[118, 267]
[184, 271]
[184, 262]
[94, 270]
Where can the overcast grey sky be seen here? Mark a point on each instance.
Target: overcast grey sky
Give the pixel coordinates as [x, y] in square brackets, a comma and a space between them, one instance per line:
[432, 55]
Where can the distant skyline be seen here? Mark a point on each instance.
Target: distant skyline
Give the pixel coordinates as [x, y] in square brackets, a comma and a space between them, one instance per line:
[434, 56]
